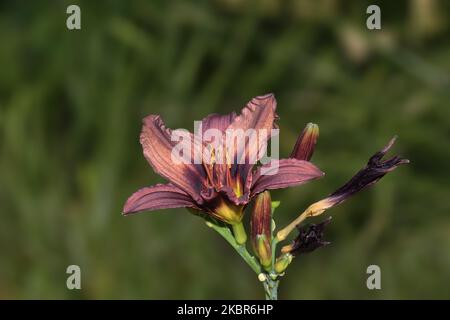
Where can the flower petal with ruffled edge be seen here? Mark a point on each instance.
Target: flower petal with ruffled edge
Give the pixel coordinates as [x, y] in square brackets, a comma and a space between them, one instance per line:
[258, 116]
[158, 146]
[160, 196]
[278, 174]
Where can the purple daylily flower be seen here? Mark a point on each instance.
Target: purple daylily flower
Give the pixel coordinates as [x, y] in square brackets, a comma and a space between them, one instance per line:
[221, 190]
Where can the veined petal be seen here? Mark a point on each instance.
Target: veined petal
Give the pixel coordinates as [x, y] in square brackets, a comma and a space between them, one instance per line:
[213, 137]
[160, 196]
[231, 195]
[218, 121]
[284, 173]
[247, 136]
[258, 115]
[158, 146]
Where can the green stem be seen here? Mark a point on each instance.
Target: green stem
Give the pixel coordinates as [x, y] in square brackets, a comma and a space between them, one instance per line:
[270, 283]
[271, 289]
[239, 233]
[274, 249]
[225, 232]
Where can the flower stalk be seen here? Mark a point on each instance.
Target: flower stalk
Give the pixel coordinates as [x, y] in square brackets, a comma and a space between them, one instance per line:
[271, 289]
[239, 233]
[227, 180]
[225, 232]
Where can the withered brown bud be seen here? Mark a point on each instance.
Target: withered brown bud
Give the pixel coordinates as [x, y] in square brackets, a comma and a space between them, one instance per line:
[309, 239]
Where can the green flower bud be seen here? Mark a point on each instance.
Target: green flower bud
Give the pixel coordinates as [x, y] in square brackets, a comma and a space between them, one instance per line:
[283, 262]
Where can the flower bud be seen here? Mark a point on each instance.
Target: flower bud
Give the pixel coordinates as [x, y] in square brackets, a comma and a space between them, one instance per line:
[283, 262]
[375, 169]
[306, 142]
[260, 229]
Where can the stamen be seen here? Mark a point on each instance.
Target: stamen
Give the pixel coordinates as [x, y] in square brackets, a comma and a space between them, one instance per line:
[227, 159]
[237, 188]
[228, 174]
[209, 166]
[212, 156]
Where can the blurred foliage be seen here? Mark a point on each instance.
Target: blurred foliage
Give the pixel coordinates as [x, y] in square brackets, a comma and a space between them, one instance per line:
[71, 104]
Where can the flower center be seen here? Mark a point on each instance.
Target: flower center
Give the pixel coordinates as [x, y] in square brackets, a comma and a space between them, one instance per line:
[228, 212]
[219, 173]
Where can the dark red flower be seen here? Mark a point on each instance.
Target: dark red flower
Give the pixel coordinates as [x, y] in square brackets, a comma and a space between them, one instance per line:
[222, 189]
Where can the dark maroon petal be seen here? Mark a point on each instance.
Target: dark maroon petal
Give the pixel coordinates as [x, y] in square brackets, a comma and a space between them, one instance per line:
[160, 196]
[157, 145]
[259, 114]
[214, 140]
[288, 173]
[218, 121]
[306, 142]
[231, 195]
[375, 169]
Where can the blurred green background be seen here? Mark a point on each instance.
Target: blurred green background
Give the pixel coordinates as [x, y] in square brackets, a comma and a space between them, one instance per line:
[71, 104]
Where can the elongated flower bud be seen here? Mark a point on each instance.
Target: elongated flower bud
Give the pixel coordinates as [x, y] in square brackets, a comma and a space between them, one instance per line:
[306, 142]
[260, 228]
[375, 169]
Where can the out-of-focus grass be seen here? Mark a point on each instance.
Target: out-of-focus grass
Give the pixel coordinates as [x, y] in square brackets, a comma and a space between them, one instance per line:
[71, 104]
